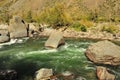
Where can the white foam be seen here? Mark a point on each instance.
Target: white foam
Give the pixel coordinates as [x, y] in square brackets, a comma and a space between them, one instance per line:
[43, 51]
[13, 41]
[22, 54]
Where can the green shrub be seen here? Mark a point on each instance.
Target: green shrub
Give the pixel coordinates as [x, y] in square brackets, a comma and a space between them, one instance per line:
[56, 16]
[110, 28]
[79, 27]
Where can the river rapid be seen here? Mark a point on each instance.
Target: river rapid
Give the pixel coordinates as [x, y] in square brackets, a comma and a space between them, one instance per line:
[26, 56]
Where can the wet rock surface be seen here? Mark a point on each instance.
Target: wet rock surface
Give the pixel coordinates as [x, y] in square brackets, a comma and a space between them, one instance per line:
[103, 74]
[55, 40]
[44, 74]
[104, 52]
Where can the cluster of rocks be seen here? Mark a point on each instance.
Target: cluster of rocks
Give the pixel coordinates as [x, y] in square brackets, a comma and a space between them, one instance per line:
[104, 53]
[16, 29]
[91, 35]
[47, 74]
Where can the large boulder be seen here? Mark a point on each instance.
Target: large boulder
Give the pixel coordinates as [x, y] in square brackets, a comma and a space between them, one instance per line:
[104, 52]
[17, 28]
[44, 74]
[103, 74]
[55, 40]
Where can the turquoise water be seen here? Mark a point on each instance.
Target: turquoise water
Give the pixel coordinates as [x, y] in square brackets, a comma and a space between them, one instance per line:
[31, 55]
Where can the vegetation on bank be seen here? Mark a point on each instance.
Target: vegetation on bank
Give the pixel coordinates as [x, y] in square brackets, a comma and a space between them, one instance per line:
[74, 15]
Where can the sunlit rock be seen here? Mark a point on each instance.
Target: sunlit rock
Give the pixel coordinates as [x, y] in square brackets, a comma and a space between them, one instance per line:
[104, 52]
[44, 74]
[55, 40]
[103, 74]
[17, 28]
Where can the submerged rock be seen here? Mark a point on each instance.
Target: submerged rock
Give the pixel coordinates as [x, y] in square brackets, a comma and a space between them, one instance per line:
[8, 75]
[17, 28]
[44, 74]
[103, 74]
[104, 52]
[55, 40]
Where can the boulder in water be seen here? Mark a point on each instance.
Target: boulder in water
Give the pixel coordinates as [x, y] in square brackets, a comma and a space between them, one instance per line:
[103, 74]
[44, 74]
[55, 40]
[104, 52]
[17, 28]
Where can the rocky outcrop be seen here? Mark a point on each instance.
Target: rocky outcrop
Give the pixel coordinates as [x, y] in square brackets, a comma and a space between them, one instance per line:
[55, 40]
[103, 74]
[44, 74]
[104, 52]
[17, 28]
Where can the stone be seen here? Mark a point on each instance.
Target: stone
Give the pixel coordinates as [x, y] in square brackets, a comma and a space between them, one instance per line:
[55, 40]
[44, 74]
[67, 75]
[104, 52]
[4, 39]
[4, 33]
[103, 74]
[8, 75]
[17, 28]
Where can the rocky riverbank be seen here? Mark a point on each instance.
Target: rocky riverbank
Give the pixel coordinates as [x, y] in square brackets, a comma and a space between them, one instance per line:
[18, 28]
[70, 33]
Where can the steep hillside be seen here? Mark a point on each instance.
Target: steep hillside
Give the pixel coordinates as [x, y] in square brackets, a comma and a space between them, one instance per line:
[77, 9]
[37, 5]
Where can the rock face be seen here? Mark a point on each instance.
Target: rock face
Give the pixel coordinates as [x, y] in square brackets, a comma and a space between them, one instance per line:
[17, 28]
[103, 74]
[44, 74]
[55, 40]
[104, 52]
